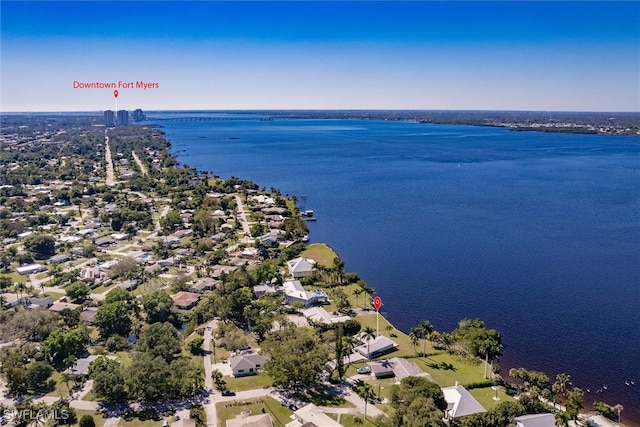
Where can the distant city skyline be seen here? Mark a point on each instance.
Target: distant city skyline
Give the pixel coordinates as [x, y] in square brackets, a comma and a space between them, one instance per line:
[544, 56]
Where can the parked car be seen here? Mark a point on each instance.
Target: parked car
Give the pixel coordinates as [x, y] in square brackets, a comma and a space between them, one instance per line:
[228, 393]
[364, 370]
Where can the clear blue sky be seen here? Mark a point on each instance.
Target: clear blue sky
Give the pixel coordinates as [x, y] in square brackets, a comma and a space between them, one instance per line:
[580, 56]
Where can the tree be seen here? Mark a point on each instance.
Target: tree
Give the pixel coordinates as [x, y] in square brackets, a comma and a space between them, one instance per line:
[197, 413]
[108, 380]
[159, 307]
[414, 336]
[491, 348]
[124, 268]
[575, 402]
[113, 318]
[365, 392]
[40, 246]
[427, 328]
[562, 384]
[147, 377]
[195, 345]
[417, 402]
[118, 294]
[171, 221]
[297, 357]
[218, 380]
[368, 334]
[87, 421]
[78, 291]
[160, 340]
[61, 344]
[618, 408]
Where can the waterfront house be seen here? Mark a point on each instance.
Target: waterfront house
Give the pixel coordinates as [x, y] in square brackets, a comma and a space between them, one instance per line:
[320, 315]
[460, 402]
[295, 292]
[376, 347]
[397, 367]
[246, 362]
[537, 420]
[301, 267]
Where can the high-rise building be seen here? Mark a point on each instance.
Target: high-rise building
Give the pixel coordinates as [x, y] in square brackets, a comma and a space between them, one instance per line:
[123, 117]
[109, 118]
[138, 115]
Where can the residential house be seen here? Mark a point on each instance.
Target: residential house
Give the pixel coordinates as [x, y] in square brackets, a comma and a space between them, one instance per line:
[536, 420]
[311, 415]
[11, 300]
[59, 306]
[30, 269]
[260, 420]
[320, 315]
[105, 241]
[45, 302]
[184, 422]
[273, 237]
[185, 300]
[88, 314]
[246, 362]
[202, 285]
[219, 270]
[460, 402]
[301, 267]
[263, 288]
[58, 259]
[295, 292]
[396, 367]
[90, 274]
[128, 285]
[81, 367]
[376, 347]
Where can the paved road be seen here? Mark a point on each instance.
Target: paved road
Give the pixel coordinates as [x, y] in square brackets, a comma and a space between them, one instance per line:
[142, 167]
[107, 154]
[242, 217]
[210, 409]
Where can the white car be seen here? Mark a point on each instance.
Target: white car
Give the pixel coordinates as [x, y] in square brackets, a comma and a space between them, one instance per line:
[364, 370]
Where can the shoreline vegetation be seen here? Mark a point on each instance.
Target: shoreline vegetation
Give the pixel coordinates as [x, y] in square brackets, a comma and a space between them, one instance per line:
[163, 228]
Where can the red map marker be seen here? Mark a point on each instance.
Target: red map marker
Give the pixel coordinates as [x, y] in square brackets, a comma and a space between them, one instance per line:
[377, 303]
[115, 93]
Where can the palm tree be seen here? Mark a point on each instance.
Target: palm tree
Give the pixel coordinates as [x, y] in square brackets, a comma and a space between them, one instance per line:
[562, 419]
[348, 345]
[365, 392]
[357, 292]
[562, 384]
[414, 336]
[618, 408]
[427, 328]
[20, 288]
[491, 348]
[368, 334]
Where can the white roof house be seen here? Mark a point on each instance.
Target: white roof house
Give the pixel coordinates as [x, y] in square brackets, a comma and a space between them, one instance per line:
[260, 420]
[320, 315]
[295, 292]
[460, 402]
[29, 269]
[247, 362]
[301, 267]
[312, 415]
[376, 346]
[537, 420]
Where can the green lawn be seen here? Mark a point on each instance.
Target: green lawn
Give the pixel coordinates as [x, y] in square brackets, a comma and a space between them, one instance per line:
[446, 369]
[61, 387]
[41, 276]
[97, 417]
[250, 382]
[320, 253]
[141, 419]
[485, 396]
[350, 421]
[279, 414]
[15, 277]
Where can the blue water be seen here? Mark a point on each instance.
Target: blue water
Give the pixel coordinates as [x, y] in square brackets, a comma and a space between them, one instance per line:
[538, 234]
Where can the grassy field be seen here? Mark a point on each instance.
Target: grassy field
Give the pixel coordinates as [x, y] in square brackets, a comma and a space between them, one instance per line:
[97, 417]
[61, 387]
[250, 382]
[279, 414]
[350, 421]
[320, 253]
[485, 396]
[15, 277]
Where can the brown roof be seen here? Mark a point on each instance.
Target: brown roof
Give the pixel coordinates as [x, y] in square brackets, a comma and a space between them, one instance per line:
[185, 299]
